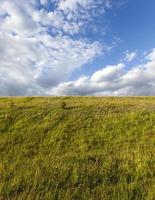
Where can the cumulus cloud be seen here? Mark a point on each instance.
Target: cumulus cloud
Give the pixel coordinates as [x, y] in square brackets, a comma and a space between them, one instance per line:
[114, 80]
[107, 73]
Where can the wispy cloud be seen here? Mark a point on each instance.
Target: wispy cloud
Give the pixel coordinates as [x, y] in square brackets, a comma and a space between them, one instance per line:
[130, 56]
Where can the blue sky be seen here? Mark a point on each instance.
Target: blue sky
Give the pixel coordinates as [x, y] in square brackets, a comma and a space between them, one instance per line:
[77, 47]
[132, 24]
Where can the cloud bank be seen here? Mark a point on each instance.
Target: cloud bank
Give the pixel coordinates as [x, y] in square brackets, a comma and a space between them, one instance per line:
[114, 80]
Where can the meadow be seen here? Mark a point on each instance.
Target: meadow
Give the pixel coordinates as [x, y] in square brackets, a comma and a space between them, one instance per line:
[77, 148]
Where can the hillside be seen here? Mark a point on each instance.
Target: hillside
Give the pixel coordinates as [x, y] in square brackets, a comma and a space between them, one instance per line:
[77, 148]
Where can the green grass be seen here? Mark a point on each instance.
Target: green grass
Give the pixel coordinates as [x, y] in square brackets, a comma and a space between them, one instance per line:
[75, 148]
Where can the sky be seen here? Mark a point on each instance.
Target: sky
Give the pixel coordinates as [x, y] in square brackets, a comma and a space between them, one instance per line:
[77, 47]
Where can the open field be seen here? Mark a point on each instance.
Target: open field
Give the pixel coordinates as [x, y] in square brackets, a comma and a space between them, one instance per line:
[77, 148]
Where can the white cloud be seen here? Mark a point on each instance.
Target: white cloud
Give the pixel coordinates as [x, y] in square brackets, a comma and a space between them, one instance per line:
[31, 59]
[151, 56]
[72, 5]
[18, 19]
[107, 73]
[38, 52]
[130, 56]
[43, 60]
[114, 80]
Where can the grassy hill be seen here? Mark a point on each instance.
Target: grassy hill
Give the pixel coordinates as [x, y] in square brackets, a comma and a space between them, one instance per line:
[76, 148]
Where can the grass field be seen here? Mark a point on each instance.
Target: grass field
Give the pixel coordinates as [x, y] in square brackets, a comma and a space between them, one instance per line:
[77, 148]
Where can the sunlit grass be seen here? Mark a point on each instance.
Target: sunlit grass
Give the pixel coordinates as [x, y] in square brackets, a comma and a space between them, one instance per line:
[77, 148]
